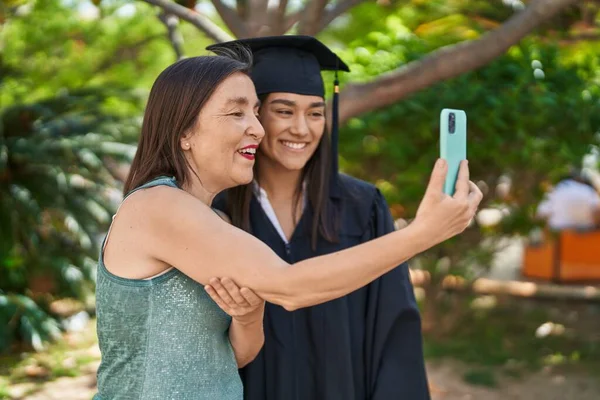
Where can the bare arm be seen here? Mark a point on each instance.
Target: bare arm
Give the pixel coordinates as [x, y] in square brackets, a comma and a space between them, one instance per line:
[246, 340]
[183, 232]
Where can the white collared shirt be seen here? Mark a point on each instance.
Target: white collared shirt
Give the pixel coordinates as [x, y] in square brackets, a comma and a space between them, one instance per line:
[263, 199]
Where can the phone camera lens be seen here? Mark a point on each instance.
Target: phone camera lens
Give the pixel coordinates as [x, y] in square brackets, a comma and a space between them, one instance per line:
[451, 123]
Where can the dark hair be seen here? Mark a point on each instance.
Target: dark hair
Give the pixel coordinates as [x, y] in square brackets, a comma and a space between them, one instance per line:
[176, 98]
[317, 171]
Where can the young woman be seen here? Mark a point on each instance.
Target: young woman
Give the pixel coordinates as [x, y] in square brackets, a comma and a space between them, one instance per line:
[366, 345]
[160, 334]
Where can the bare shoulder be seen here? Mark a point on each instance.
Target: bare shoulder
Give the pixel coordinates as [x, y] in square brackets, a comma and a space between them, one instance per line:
[162, 212]
[163, 201]
[169, 227]
[138, 231]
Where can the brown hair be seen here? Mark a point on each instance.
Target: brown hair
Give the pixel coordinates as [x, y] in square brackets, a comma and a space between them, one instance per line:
[176, 98]
[316, 172]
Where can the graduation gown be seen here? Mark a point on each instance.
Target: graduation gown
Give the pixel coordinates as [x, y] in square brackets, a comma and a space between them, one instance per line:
[364, 346]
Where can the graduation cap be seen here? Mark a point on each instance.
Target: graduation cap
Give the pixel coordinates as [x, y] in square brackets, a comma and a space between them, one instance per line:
[293, 64]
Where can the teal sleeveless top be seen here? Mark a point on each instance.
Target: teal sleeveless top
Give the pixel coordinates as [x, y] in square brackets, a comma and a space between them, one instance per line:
[162, 338]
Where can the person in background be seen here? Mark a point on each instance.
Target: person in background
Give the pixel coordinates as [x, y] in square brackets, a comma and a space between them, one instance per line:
[367, 344]
[573, 203]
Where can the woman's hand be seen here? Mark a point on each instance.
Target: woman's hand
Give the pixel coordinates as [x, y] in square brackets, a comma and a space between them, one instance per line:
[243, 305]
[446, 216]
[247, 310]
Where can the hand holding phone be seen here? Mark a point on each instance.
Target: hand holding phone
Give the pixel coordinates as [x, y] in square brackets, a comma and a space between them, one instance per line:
[453, 144]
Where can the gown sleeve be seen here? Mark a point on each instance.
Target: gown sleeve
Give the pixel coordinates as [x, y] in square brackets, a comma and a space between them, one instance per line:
[393, 339]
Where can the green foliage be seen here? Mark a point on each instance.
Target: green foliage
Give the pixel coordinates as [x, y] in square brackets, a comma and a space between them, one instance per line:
[72, 92]
[22, 318]
[55, 199]
[532, 113]
[51, 46]
[515, 123]
[69, 105]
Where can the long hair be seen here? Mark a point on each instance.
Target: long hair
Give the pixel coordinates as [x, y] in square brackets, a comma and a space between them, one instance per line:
[175, 101]
[316, 172]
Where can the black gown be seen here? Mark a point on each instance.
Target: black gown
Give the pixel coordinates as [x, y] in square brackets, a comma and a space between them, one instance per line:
[366, 345]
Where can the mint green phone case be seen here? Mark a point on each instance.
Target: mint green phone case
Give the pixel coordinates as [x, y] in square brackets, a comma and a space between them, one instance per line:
[453, 144]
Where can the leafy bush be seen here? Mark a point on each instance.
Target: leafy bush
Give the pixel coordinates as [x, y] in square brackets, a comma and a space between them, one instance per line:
[55, 201]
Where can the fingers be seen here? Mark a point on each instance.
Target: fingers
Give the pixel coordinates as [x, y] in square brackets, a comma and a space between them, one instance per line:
[475, 195]
[437, 179]
[462, 182]
[474, 192]
[251, 297]
[234, 291]
[216, 298]
[222, 292]
[241, 304]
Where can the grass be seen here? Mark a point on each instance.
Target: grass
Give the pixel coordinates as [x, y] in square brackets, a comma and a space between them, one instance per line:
[481, 377]
[67, 357]
[502, 339]
[4, 394]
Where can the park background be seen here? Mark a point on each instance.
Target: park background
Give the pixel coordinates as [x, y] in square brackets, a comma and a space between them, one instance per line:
[74, 77]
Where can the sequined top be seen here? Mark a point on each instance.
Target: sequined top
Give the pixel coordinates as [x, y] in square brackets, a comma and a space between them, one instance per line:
[162, 338]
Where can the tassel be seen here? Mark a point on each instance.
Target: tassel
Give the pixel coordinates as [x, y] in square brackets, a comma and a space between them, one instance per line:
[334, 184]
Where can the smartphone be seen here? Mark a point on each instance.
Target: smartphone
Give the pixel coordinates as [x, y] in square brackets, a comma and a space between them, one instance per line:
[453, 144]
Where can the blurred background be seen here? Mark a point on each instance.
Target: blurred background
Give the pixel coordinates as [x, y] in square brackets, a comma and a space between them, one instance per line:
[511, 309]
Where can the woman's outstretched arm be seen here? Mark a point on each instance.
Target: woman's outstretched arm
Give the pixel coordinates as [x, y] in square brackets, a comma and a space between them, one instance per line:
[186, 233]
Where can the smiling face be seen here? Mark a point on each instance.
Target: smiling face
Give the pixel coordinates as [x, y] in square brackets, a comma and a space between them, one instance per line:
[221, 145]
[294, 125]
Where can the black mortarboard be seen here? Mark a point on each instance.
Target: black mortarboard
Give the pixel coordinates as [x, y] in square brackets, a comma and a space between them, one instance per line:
[293, 64]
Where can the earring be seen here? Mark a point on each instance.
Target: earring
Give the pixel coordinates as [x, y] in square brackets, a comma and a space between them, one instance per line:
[187, 145]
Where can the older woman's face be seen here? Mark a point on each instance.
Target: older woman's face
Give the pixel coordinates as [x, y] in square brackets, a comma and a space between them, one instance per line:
[294, 125]
[222, 145]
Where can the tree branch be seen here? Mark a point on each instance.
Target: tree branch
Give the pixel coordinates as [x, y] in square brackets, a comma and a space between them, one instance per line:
[445, 63]
[175, 37]
[124, 53]
[241, 6]
[282, 8]
[278, 19]
[257, 17]
[337, 10]
[311, 17]
[200, 21]
[231, 19]
[290, 21]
